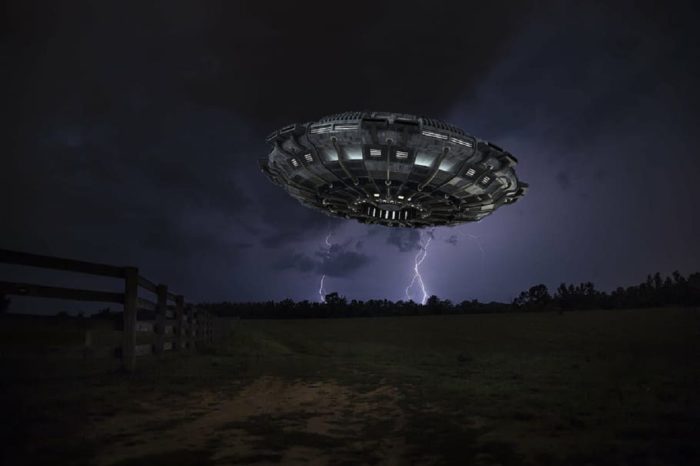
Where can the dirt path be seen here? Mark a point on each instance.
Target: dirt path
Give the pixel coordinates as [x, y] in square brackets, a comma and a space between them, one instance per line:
[271, 421]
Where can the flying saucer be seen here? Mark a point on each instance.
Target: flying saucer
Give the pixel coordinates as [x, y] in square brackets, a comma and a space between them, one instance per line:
[392, 169]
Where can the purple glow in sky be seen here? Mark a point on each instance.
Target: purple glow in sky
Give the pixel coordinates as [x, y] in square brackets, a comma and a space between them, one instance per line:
[139, 146]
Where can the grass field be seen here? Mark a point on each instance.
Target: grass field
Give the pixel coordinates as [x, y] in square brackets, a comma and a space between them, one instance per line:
[584, 388]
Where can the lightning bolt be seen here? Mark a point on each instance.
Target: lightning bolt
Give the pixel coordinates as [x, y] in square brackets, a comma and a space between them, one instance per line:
[418, 260]
[321, 288]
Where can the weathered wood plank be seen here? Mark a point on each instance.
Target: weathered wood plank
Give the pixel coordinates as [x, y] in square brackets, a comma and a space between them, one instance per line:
[58, 263]
[41, 291]
[147, 284]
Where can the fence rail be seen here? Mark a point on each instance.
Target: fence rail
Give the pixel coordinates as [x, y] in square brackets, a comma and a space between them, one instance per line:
[177, 325]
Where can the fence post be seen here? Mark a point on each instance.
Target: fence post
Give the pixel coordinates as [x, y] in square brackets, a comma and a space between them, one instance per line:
[179, 315]
[131, 284]
[161, 310]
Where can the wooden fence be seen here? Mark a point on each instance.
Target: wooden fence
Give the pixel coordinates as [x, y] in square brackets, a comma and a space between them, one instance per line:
[176, 326]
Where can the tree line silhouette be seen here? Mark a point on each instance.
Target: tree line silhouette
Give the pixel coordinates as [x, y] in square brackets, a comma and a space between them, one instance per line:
[656, 291]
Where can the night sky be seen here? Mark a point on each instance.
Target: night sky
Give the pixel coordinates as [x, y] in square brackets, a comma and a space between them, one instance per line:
[131, 133]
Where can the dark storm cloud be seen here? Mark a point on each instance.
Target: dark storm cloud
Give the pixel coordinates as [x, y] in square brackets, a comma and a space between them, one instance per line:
[583, 105]
[298, 261]
[575, 83]
[288, 222]
[404, 239]
[563, 180]
[155, 185]
[254, 57]
[337, 261]
[257, 46]
[343, 263]
[375, 230]
[131, 132]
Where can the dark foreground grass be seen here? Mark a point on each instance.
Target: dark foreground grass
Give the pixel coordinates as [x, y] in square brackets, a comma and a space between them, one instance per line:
[599, 387]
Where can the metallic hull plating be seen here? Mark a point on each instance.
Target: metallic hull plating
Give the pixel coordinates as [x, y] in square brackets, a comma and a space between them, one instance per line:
[392, 169]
